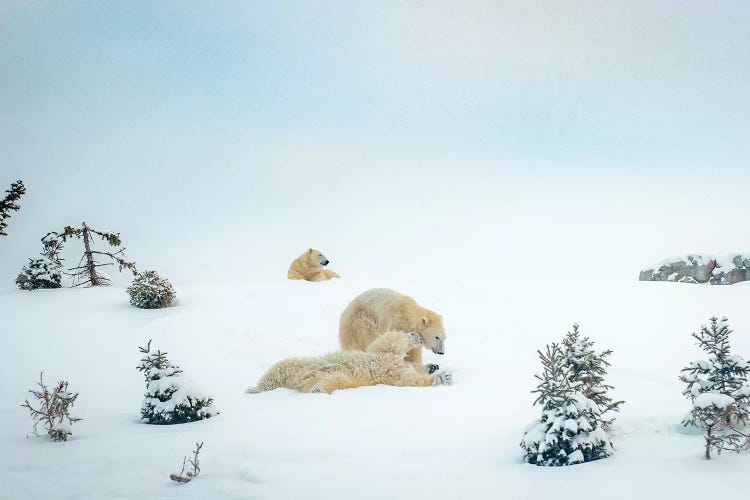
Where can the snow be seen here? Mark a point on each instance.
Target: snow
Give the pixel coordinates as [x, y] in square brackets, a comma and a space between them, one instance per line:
[708, 399]
[459, 441]
[576, 457]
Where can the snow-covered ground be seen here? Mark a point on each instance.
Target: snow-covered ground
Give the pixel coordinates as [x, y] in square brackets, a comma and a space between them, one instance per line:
[459, 441]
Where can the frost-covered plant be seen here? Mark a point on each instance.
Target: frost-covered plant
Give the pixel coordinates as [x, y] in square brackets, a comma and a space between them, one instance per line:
[53, 411]
[10, 204]
[590, 367]
[190, 467]
[86, 273]
[149, 291]
[168, 400]
[719, 391]
[570, 429]
[38, 274]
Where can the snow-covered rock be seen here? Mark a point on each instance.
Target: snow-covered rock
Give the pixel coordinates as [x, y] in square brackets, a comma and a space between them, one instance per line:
[696, 268]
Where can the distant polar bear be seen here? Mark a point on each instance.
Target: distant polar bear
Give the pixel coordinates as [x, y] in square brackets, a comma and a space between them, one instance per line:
[310, 266]
[381, 363]
[380, 310]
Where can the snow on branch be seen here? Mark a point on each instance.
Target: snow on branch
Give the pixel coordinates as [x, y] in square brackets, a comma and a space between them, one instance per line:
[52, 410]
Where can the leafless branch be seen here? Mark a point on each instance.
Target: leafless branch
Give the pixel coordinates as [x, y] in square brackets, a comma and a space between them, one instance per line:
[192, 466]
[53, 408]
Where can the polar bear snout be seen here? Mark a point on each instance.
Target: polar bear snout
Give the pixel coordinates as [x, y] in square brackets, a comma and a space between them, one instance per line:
[438, 346]
[325, 263]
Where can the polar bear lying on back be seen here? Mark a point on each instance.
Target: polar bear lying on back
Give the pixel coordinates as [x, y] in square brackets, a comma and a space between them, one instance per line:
[381, 363]
[310, 266]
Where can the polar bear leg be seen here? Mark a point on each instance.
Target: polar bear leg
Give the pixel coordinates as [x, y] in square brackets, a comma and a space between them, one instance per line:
[268, 382]
[285, 373]
[329, 382]
[431, 368]
[443, 378]
[358, 328]
[414, 357]
[415, 379]
[316, 276]
[321, 274]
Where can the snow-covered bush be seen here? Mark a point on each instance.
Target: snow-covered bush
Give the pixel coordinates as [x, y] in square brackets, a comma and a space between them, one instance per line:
[38, 274]
[719, 391]
[54, 409]
[570, 429]
[168, 400]
[149, 291]
[590, 367]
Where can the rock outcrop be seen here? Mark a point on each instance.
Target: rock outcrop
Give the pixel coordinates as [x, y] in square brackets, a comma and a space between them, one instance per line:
[701, 269]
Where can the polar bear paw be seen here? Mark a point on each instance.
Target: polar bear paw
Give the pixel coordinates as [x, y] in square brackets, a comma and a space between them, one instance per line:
[416, 339]
[431, 368]
[317, 390]
[443, 378]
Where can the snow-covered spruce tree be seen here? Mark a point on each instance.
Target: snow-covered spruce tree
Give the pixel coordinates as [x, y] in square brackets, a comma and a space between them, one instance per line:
[53, 410]
[167, 399]
[10, 204]
[570, 428]
[38, 274]
[149, 291]
[85, 274]
[719, 391]
[590, 367]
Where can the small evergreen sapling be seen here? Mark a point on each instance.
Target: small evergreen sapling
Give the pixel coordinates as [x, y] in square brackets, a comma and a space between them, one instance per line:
[590, 367]
[53, 410]
[149, 291]
[38, 274]
[570, 429]
[167, 399]
[10, 204]
[718, 389]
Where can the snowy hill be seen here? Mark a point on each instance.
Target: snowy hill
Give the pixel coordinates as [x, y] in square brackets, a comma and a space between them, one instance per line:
[375, 442]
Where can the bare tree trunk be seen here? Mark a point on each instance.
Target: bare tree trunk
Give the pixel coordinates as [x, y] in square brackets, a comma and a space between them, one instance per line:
[90, 267]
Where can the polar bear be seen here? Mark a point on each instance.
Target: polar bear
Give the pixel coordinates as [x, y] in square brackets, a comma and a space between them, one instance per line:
[379, 310]
[382, 362]
[310, 266]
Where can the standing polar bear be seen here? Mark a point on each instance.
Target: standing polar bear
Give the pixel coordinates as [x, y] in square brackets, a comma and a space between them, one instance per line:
[310, 266]
[380, 310]
[381, 363]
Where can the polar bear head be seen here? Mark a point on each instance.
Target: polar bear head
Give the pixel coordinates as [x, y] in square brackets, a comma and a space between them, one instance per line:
[432, 331]
[316, 258]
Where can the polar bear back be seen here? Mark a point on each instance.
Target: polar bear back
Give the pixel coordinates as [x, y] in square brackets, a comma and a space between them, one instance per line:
[374, 312]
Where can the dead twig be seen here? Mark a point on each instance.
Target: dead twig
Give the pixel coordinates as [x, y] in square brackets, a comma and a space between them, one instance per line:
[192, 466]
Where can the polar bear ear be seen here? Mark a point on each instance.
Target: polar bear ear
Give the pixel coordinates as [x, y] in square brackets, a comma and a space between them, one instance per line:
[425, 321]
[311, 251]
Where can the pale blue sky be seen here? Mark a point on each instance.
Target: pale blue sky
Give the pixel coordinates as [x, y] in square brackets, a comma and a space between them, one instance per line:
[504, 130]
